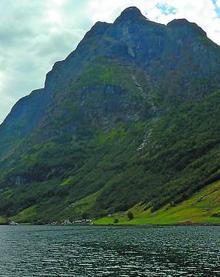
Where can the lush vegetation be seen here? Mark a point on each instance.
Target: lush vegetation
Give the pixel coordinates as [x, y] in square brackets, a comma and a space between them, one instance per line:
[202, 207]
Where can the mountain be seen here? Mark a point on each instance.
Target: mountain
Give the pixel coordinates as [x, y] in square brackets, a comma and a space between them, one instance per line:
[128, 121]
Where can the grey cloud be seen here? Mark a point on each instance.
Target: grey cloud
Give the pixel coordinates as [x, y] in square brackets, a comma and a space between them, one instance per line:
[28, 47]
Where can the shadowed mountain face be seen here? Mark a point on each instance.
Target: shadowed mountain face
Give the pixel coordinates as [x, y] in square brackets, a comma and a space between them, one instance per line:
[131, 116]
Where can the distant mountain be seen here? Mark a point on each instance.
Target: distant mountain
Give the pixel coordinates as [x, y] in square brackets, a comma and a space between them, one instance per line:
[131, 118]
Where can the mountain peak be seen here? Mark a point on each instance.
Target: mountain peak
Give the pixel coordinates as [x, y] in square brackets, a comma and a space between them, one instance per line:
[130, 13]
[184, 25]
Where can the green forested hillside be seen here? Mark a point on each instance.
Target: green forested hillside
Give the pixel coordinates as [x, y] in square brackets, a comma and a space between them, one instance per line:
[201, 208]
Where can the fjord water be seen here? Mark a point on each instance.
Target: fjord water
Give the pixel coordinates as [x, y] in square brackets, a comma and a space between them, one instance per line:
[109, 251]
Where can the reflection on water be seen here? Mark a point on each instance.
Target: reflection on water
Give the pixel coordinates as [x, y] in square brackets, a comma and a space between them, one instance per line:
[27, 251]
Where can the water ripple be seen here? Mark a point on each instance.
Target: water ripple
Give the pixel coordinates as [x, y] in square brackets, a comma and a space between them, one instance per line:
[80, 251]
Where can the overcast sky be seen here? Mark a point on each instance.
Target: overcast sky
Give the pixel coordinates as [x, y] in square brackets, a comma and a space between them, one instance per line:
[34, 34]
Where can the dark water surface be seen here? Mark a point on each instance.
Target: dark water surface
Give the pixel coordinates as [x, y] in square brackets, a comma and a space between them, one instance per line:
[109, 251]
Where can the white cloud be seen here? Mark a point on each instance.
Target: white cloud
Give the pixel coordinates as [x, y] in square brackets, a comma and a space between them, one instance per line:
[35, 34]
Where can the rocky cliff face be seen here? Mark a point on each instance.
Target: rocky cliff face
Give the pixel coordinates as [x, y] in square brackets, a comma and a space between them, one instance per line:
[130, 116]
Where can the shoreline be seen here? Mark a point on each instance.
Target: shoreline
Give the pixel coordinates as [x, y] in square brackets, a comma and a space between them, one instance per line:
[118, 225]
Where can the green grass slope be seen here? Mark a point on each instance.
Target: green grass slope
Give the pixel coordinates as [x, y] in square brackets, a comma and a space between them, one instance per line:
[202, 208]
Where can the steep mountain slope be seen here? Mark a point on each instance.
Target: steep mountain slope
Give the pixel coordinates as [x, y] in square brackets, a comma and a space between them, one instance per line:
[131, 116]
